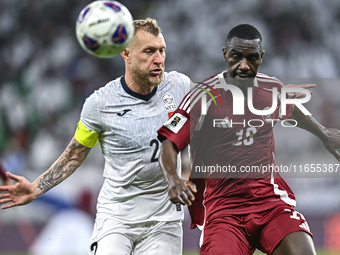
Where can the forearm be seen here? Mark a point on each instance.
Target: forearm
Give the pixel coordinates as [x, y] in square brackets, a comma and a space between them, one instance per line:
[308, 123]
[168, 159]
[180, 191]
[330, 137]
[186, 171]
[62, 168]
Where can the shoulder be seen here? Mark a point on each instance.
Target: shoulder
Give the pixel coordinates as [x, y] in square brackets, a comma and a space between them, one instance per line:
[199, 89]
[106, 93]
[266, 81]
[211, 81]
[176, 75]
[177, 81]
[208, 84]
[109, 87]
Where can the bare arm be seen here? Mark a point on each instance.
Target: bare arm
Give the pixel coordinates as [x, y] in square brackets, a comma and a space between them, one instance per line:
[329, 136]
[186, 171]
[304, 86]
[24, 192]
[180, 190]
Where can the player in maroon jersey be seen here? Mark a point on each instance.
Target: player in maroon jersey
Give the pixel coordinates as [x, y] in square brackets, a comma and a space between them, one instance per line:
[242, 210]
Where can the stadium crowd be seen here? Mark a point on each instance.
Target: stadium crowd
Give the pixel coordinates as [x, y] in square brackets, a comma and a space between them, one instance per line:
[45, 77]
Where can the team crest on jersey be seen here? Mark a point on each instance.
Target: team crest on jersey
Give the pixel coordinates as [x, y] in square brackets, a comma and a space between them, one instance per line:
[176, 122]
[168, 100]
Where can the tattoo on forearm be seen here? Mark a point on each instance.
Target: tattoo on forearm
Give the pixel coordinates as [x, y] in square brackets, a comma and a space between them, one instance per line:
[64, 166]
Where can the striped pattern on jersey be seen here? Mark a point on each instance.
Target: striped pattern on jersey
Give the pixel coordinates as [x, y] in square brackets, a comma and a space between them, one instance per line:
[209, 85]
[275, 190]
[265, 78]
[195, 94]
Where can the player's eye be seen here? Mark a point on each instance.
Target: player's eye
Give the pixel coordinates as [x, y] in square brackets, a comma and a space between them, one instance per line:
[253, 59]
[236, 57]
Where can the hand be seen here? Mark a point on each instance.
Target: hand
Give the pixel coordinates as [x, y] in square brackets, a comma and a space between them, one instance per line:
[9, 182]
[304, 86]
[180, 191]
[333, 142]
[20, 193]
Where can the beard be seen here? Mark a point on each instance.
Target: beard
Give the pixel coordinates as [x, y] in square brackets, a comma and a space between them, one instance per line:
[143, 77]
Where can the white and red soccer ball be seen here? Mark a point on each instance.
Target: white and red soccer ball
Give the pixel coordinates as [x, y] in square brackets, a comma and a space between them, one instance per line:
[104, 28]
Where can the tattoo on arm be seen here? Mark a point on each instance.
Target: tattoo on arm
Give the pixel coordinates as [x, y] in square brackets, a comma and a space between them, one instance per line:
[69, 161]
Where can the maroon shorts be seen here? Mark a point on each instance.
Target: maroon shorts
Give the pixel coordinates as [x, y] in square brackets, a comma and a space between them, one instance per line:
[243, 234]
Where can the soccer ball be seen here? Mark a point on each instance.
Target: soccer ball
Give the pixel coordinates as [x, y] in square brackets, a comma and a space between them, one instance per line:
[104, 28]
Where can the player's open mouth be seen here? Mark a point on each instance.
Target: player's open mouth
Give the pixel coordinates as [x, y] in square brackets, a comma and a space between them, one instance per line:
[243, 76]
[156, 72]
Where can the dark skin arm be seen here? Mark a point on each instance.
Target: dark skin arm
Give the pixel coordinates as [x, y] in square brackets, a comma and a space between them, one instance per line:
[23, 192]
[330, 137]
[180, 190]
[186, 171]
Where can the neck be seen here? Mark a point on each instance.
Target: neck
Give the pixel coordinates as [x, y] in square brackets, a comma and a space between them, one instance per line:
[136, 86]
[243, 86]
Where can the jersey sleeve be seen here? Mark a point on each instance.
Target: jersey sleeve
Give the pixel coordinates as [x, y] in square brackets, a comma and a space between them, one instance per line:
[182, 81]
[176, 129]
[183, 122]
[268, 82]
[186, 83]
[289, 107]
[89, 128]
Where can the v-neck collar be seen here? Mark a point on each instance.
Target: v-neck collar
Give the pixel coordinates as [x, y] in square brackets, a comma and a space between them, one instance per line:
[135, 94]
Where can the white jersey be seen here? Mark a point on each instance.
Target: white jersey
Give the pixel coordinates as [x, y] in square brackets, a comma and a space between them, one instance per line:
[134, 189]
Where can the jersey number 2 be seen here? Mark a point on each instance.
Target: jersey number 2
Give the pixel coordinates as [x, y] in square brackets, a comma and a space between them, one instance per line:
[154, 154]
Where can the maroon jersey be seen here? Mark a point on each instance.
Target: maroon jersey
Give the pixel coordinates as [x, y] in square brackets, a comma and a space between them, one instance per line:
[232, 155]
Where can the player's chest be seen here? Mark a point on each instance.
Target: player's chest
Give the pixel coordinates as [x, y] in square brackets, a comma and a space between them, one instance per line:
[135, 121]
[132, 120]
[257, 118]
[260, 106]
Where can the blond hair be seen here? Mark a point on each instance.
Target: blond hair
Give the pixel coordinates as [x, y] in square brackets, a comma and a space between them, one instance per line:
[148, 25]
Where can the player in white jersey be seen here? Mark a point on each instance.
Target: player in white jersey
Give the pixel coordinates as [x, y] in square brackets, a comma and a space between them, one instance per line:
[134, 214]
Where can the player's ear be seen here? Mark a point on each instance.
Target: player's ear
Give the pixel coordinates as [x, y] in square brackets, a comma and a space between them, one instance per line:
[126, 55]
[224, 50]
[262, 55]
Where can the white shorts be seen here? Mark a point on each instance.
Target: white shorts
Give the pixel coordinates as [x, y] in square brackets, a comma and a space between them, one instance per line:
[150, 238]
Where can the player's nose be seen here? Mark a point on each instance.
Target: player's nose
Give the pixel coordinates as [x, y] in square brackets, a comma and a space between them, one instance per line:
[243, 64]
[158, 59]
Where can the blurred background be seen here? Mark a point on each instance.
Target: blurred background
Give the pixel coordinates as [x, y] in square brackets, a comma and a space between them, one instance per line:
[45, 77]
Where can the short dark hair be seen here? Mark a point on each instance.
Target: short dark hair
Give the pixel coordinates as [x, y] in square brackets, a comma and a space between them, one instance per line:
[244, 31]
